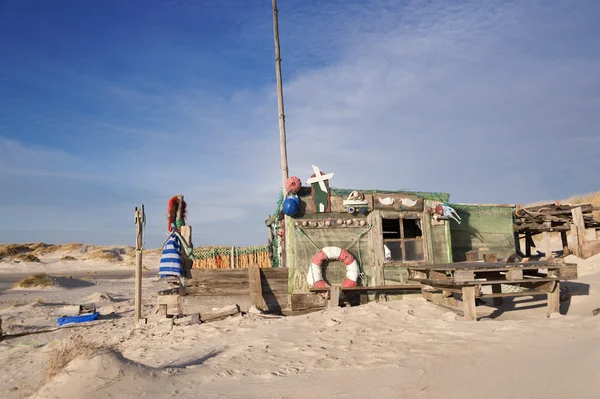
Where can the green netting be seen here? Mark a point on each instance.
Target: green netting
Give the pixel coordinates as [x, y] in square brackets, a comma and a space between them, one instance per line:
[275, 227]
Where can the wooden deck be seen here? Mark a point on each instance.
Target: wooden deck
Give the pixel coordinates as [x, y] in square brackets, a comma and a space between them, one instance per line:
[467, 278]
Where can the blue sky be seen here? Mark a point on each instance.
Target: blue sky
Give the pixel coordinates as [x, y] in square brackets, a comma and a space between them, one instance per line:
[105, 105]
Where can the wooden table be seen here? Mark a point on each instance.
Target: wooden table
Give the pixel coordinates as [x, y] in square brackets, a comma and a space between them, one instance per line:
[467, 278]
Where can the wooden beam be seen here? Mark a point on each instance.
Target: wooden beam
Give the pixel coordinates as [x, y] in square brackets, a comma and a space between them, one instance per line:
[578, 231]
[254, 281]
[514, 274]
[334, 298]
[565, 243]
[460, 276]
[221, 313]
[554, 300]
[468, 298]
[497, 289]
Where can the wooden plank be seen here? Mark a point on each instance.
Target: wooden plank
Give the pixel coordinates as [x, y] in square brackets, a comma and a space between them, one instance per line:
[394, 287]
[221, 313]
[162, 311]
[463, 275]
[255, 287]
[554, 300]
[305, 301]
[468, 299]
[514, 274]
[334, 298]
[497, 289]
[169, 300]
[472, 256]
[578, 231]
[490, 257]
[446, 285]
[567, 272]
[437, 275]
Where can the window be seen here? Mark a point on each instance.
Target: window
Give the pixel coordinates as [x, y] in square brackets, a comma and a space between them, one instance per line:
[403, 240]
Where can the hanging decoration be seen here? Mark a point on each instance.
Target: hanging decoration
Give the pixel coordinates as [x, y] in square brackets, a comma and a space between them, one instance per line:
[315, 274]
[291, 205]
[445, 212]
[356, 203]
[293, 185]
[319, 182]
[177, 212]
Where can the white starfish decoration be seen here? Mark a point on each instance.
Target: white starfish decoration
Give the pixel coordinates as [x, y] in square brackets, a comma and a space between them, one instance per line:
[319, 178]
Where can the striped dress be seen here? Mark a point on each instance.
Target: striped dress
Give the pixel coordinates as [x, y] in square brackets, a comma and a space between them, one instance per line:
[170, 260]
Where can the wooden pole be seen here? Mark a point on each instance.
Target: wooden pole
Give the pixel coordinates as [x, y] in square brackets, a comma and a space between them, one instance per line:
[139, 245]
[282, 138]
[578, 231]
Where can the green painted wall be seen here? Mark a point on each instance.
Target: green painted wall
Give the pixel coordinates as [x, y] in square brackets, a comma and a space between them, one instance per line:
[486, 228]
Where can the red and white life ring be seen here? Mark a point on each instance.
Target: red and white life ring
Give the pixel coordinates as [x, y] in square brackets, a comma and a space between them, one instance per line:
[315, 274]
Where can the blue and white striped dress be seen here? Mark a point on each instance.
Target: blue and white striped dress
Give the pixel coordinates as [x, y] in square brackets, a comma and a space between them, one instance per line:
[170, 260]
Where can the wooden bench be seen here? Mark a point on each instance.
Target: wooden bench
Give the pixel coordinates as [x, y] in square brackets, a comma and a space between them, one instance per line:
[467, 278]
[334, 292]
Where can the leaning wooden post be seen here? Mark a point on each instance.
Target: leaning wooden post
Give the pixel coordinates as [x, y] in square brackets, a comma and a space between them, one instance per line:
[139, 218]
[578, 231]
[282, 134]
[186, 261]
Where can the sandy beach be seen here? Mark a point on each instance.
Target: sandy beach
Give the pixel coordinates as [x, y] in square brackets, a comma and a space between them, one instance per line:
[407, 348]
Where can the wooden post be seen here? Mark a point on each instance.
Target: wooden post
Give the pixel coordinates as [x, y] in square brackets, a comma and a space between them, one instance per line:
[140, 220]
[255, 283]
[497, 289]
[578, 231]
[554, 300]
[186, 262]
[565, 243]
[232, 259]
[282, 134]
[468, 298]
[528, 241]
[334, 298]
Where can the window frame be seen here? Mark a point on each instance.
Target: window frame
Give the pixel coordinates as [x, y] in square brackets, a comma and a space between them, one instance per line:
[402, 240]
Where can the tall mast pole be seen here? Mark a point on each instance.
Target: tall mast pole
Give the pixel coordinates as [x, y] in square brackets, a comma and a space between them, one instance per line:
[282, 140]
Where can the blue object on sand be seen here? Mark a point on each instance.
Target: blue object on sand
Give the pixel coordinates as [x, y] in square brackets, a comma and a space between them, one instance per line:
[77, 319]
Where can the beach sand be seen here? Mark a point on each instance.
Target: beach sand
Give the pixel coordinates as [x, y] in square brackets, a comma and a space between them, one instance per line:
[408, 348]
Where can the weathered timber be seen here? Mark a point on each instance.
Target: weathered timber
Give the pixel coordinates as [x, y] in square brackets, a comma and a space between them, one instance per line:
[468, 299]
[305, 301]
[221, 313]
[554, 300]
[188, 320]
[463, 275]
[497, 290]
[578, 231]
[514, 274]
[392, 287]
[255, 285]
[334, 298]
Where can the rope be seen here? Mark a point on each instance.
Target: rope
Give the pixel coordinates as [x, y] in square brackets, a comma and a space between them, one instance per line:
[361, 273]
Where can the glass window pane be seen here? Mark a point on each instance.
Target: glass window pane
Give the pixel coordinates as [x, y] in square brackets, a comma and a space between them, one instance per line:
[412, 228]
[414, 250]
[391, 228]
[392, 251]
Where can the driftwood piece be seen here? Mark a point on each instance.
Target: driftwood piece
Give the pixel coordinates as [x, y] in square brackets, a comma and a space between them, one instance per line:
[222, 313]
[187, 320]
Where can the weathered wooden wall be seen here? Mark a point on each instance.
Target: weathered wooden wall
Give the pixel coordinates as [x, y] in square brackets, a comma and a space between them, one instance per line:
[486, 228]
[208, 288]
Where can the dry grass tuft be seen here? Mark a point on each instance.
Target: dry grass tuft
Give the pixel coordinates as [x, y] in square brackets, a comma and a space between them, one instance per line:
[8, 250]
[589, 198]
[41, 248]
[71, 247]
[37, 280]
[26, 258]
[67, 258]
[105, 254]
[67, 351]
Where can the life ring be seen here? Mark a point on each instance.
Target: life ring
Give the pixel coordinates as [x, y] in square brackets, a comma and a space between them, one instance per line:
[315, 274]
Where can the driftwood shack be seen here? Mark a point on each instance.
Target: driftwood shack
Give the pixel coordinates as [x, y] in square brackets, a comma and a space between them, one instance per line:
[386, 232]
[368, 242]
